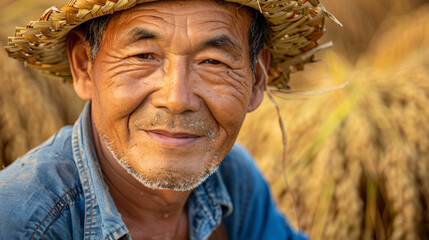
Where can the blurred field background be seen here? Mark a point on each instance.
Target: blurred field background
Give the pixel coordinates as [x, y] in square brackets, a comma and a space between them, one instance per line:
[358, 159]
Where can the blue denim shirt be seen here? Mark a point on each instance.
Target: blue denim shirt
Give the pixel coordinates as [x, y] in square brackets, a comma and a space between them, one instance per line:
[56, 191]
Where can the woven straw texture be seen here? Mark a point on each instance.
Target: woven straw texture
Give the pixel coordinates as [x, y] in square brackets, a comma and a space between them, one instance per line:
[294, 28]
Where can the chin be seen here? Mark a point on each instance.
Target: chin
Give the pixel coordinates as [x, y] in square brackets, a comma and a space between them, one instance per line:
[178, 172]
[170, 177]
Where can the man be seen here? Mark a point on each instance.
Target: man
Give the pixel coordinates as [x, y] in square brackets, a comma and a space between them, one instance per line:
[152, 156]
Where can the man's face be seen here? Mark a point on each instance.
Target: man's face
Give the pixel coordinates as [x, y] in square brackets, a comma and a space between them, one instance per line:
[172, 83]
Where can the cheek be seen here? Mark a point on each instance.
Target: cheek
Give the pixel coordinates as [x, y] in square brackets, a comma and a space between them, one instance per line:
[121, 92]
[115, 99]
[227, 97]
[226, 110]
[229, 116]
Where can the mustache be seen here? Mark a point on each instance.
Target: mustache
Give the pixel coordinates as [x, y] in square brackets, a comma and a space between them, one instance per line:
[191, 123]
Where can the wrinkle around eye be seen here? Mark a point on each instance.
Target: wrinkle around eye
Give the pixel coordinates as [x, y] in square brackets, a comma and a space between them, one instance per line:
[235, 85]
[140, 61]
[129, 65]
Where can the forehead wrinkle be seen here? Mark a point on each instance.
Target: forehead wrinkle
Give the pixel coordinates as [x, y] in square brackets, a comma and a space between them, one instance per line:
[115, 28]
[188, 22]
[148, 18]
[133, 28]
[228, 10]
[138, 33]
[229, 25]
[150, 15]
[218, 29]
[221, 37]
[168, 7]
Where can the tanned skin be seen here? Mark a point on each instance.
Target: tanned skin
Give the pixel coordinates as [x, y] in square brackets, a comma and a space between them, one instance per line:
[169, 90]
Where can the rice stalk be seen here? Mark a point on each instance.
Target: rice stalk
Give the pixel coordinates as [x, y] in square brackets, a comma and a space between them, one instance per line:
[358, 157]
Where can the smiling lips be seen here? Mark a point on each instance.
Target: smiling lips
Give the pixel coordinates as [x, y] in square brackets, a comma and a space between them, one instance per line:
[170, 139]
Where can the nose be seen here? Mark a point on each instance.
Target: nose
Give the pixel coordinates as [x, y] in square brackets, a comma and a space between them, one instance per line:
[176, 93]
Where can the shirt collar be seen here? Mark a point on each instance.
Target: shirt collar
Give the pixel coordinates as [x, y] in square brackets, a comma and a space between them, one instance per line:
[101, 215]
[207, 205]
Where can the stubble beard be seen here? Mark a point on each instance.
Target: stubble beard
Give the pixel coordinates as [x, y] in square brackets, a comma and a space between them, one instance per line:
[170, 179]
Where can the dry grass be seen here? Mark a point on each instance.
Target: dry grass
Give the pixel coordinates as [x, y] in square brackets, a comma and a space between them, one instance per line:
[362, 20]
[358, 158]
[33, 108]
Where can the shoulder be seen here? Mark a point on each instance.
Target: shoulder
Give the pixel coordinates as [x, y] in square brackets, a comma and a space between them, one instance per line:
[255, 214]
[51, 160]
[37, 187]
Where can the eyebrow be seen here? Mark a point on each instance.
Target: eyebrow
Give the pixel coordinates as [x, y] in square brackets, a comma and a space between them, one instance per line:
[224, 43]
[138, 34]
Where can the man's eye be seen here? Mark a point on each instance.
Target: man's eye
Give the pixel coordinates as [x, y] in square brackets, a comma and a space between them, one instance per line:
[145, 56]
[212, 61]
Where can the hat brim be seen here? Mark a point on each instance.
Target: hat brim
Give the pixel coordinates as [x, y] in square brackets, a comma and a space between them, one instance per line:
[294, 28]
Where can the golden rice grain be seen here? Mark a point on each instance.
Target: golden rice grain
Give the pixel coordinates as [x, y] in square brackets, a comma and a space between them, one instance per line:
[358, 157]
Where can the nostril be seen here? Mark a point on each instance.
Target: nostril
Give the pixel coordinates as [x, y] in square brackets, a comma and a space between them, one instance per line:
[175, 99]
[174, 104]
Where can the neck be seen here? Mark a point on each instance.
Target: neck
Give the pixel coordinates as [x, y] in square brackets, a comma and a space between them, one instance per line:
[148, 213]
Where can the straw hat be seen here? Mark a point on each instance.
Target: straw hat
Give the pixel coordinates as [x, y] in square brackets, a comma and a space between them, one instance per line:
[293, 30]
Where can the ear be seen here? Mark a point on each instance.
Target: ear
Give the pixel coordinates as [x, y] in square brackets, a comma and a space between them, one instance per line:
[79, 55]
[258, 87]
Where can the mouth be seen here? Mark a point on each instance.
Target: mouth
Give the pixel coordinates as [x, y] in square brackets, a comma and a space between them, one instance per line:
[172, 139]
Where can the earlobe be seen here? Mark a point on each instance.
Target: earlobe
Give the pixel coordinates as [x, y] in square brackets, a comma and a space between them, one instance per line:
[78, 51]
[259, 79]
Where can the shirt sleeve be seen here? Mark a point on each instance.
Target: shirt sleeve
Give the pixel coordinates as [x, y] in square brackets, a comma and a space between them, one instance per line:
[255, 214]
